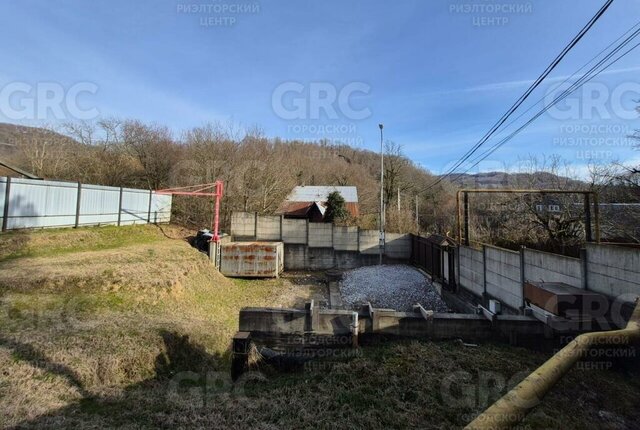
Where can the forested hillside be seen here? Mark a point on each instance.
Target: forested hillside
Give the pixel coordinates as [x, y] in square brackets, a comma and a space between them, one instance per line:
[258, 172]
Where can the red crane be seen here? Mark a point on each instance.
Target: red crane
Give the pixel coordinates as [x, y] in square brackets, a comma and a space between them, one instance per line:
[214, 189]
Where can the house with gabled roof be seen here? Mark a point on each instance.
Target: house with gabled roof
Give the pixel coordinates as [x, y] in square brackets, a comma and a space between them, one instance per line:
[310, 201]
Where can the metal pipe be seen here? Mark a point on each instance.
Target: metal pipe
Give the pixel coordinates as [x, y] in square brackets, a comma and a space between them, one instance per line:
[466, 219]
[587, 218]
[216, 221]
[513, 406]
[466, 192]
[508, 191]
[596, 214]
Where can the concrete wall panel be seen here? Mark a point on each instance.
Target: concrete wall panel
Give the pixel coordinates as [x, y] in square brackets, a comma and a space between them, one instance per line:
[613, 270]
[471, 274]
[294, 231]
[546, 267]
[320, 235]
[345, 238]
[268, 228]
[503, 276]
[369, 240]
[398, 246]
[243, 224]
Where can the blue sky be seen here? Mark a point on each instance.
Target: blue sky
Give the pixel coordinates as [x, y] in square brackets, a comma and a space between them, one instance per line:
[436, 80]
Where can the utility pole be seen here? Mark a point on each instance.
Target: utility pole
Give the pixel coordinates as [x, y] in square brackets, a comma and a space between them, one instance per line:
[417, 216]
[382, 220]
[398, 200]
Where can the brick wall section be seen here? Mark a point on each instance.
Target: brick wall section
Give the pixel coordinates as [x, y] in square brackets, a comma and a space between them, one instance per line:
[544, 267]
[471, 274]
[613, 270]
[503, 275]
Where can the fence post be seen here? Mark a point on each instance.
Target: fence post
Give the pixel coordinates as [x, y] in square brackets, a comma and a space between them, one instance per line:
[583, 268]
[441, 254]
[433, 263]
[255, 225]
[484, 272]
[78, 197]
[149, 210]
[281, 221]
[457, 257]
[522, 275]
[333, 227]
[587, 218]
[120, 206]
[466, 219]
[7, 194]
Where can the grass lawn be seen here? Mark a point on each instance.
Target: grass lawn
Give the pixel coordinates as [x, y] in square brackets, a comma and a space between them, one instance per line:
[130, 327]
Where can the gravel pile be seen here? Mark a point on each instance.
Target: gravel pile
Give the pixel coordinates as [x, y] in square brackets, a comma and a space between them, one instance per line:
[396, 287]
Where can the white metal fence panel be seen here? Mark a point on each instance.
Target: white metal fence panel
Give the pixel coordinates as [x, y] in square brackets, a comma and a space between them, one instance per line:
[135, 206]
[37, 203]
[99, 205]
[41, 204]
[160, 208]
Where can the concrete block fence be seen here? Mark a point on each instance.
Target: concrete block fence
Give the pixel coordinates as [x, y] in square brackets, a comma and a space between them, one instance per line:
[319, 246]
[492, 272]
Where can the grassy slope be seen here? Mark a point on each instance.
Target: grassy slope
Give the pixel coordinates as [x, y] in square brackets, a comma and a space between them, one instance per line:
[98, 338]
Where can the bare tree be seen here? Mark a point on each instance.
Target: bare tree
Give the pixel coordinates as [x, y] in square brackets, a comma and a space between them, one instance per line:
[154, 148]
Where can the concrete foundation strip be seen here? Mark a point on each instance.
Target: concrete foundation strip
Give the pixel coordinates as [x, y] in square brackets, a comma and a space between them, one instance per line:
[428, 315]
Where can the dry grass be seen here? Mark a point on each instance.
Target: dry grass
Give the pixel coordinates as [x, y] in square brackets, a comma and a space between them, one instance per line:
[136, 335]
[81, 324]
[39, 243]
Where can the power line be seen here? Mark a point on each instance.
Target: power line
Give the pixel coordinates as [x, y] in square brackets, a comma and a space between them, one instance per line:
[562, 96]
[524, 96]
[586, 76]
[568, 78]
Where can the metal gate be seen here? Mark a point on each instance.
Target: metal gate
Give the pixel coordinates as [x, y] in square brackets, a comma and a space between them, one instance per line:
[435, 255]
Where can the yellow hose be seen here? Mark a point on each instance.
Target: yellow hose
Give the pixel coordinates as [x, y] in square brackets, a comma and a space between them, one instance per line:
[513, 406]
